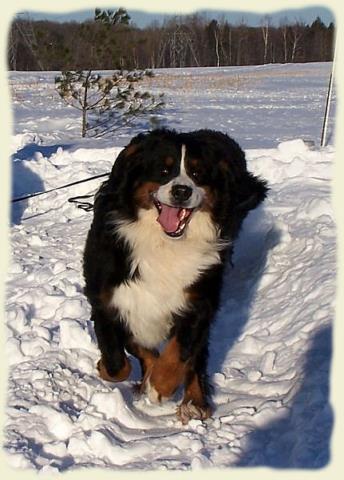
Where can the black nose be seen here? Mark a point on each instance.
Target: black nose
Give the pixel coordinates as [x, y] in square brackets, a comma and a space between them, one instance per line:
[181, 193]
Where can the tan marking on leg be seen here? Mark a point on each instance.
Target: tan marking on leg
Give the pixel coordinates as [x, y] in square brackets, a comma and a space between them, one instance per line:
[193, 391]
[147, 359]
[123, 374]
[168, 371]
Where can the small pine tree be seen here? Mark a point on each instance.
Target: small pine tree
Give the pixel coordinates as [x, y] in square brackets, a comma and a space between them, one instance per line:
[107, 103]
[109, 17]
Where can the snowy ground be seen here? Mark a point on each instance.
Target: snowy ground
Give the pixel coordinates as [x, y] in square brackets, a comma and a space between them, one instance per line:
[271, 345]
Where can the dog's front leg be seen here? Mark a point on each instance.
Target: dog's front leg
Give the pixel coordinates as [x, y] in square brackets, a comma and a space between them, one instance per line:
[195, 403]
[147, 358]
[184, 362]
[167, 372]
[113, 365]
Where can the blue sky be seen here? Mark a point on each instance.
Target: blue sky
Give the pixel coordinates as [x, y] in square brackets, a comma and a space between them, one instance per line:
[142, 19]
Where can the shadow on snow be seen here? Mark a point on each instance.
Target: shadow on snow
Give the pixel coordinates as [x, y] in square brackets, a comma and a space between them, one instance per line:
[302, 439]
[24, 180]
[257, 237]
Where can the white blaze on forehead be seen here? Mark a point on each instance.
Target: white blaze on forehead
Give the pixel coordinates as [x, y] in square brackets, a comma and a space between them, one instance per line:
[182, 170]
[183, 178]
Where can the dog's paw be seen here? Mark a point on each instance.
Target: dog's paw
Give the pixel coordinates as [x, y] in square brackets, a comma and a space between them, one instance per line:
[152, 393]
[188, 411]
[120, 376]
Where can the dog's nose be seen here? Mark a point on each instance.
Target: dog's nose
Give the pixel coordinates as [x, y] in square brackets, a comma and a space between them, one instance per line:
[181, 193]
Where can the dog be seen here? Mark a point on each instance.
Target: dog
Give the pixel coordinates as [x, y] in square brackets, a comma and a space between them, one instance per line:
[163, 229]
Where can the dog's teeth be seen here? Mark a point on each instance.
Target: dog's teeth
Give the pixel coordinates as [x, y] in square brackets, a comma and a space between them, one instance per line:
[184, 214]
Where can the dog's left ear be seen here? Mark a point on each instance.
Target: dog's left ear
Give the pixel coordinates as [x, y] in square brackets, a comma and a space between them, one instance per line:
[249, 191]
[246, 190]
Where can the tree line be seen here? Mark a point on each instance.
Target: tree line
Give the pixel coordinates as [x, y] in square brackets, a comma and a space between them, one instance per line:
[183, 41]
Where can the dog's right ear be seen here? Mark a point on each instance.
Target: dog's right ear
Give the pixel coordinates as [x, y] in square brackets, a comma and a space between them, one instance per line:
[115, 194]
[126, 157]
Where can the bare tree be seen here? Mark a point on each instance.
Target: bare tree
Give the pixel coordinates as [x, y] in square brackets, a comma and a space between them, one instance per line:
[178, 46]
[25, 29]
[284, 33]
[215, 34]
[265, 27]
[297, 32]
[230, 45]
[13, 46]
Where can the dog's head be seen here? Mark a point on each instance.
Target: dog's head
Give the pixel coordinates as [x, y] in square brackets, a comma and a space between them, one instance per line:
[179, 174]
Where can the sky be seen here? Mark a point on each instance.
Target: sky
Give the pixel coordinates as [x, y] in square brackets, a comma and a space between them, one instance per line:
[142, 19]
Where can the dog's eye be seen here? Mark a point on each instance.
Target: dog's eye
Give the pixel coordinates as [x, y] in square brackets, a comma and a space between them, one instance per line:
[195, 174]
[165, 171]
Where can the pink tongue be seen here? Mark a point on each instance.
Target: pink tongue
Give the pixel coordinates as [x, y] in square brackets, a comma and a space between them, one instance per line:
[169, 218]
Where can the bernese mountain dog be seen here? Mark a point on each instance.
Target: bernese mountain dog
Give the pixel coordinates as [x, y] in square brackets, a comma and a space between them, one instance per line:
[163, 228]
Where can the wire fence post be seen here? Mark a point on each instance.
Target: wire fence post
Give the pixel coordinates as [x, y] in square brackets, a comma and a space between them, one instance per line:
[328, 101]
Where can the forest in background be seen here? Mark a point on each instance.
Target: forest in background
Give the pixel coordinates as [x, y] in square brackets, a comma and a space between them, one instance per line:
[183, 41]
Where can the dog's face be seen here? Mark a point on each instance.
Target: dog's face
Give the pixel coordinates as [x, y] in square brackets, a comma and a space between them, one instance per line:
[180, 174]
[179, 193]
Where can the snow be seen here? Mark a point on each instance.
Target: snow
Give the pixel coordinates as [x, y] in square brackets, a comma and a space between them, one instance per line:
[270, 347]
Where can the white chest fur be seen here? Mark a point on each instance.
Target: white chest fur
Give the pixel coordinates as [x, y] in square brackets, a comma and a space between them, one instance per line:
[167, 267]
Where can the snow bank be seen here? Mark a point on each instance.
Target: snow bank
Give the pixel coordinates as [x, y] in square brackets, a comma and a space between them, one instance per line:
[276, 300]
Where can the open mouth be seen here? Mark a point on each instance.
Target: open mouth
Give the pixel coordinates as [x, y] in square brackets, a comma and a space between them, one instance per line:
[173, 220]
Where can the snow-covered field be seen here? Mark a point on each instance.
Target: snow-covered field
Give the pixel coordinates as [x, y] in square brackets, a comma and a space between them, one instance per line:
[271, 345]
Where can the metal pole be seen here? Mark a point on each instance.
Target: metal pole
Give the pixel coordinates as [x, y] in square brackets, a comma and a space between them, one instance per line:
[328, 101]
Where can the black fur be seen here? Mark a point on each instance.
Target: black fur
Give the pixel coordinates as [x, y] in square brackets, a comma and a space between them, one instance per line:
[107, 260]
